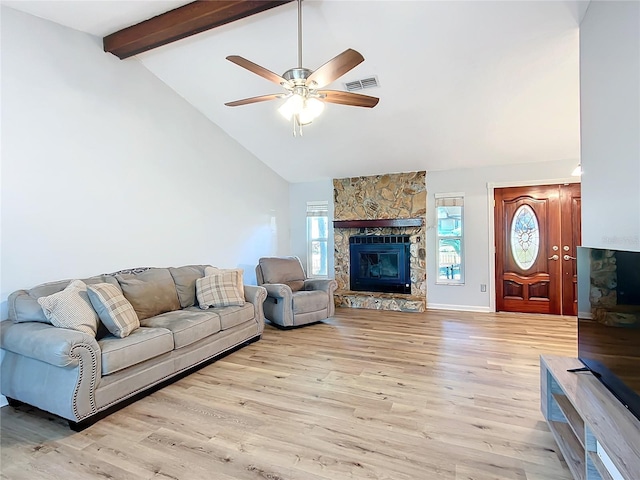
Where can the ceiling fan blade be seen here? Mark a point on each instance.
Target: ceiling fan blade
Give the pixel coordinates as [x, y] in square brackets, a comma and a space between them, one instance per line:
[348, 98]
[335, 68]
[261, 98]
[257, 69]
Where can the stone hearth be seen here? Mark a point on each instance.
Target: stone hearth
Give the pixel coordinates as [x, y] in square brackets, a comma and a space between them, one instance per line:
[381, 197]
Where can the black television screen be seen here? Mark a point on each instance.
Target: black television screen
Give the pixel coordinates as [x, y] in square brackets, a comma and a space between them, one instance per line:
[609, 320]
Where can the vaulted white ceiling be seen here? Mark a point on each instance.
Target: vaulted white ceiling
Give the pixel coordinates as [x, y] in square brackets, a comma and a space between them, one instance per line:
[462, 83]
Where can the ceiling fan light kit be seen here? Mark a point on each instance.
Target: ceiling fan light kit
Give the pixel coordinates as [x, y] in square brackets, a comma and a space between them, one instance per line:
[304, 110]
[304, 101]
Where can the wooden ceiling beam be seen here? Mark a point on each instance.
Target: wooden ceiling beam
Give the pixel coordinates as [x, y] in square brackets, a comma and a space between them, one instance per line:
[182, 22]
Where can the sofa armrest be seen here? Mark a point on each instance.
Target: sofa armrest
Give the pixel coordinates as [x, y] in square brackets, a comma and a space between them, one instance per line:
[256, 296]
[46, 343]
[54, 369]
[327, 285]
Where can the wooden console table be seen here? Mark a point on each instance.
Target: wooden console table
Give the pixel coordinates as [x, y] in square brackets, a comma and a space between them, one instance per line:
[586, 418]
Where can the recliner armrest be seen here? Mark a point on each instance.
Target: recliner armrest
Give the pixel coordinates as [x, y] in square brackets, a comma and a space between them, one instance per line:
[327, 285]
[278, 290]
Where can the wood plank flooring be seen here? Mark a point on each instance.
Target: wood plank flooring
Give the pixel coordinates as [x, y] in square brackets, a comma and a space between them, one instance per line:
[366, 395]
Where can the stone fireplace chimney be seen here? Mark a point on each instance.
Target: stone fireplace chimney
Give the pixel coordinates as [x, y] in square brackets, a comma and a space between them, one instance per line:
[375, 206]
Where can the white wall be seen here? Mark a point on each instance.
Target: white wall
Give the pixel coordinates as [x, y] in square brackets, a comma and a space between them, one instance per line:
[478, 214]
[299, 195]
[610, 120]
[104, 167]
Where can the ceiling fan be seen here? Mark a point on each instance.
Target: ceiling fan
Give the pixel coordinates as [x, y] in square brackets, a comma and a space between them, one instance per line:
[305, 99]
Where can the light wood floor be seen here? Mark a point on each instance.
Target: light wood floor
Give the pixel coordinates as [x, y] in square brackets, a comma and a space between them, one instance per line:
[367, 395]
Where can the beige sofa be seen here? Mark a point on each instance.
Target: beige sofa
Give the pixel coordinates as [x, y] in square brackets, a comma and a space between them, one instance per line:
[82, 378]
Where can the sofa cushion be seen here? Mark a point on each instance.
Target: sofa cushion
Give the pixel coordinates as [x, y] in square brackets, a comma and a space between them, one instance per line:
[23, 305]
[114, 310]
[239, 279]
[71, 308]
[187, 326]
[185, 280]
[151, 292]
[309, 301]
[143, 344]
[218, 290]
[232, 316]
[287, 270]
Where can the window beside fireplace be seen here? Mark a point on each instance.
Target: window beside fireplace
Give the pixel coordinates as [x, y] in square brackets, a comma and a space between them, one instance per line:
[317, 239]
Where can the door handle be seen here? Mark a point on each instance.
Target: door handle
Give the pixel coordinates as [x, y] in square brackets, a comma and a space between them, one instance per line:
[553, 257]
[569, 257]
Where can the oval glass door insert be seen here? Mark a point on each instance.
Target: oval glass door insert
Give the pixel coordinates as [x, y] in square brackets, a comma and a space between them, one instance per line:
[525, 237]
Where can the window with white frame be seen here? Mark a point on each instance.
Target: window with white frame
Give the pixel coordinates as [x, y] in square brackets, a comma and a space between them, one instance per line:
[317, 239]
[449, 238]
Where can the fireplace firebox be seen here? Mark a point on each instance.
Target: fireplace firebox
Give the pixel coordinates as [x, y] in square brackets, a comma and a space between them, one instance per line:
[380, 263]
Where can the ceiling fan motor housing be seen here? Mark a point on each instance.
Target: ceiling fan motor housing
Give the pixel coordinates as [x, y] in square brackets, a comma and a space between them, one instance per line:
[298, 76]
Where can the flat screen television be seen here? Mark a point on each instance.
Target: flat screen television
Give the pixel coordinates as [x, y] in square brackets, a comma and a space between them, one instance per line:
[609, 320]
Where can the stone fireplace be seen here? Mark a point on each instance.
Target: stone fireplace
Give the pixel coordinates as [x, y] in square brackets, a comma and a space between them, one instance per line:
[381, 220]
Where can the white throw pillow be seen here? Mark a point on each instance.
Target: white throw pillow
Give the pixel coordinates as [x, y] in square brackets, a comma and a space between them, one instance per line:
[218, 290]
[240, 272]
[71, 308]
[114, 310]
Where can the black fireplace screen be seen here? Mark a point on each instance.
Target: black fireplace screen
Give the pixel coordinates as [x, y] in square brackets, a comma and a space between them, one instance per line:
[380, 263]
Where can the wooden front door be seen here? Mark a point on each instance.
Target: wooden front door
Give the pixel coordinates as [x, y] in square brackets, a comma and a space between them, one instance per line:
[571, 234]
[537, 231]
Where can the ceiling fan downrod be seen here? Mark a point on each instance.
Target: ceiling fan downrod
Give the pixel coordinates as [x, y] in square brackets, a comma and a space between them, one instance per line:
[300, 74]
[299, 33]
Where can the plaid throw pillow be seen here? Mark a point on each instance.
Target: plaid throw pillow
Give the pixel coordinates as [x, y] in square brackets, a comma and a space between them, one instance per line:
[239, 278]
[115, 311]
[71, 308]
[218, 290]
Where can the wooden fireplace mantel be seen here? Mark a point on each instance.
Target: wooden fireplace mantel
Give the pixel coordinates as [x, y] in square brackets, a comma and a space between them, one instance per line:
[385, 222]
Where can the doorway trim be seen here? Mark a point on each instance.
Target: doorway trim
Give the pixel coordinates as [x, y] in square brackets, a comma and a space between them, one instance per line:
[491, 186]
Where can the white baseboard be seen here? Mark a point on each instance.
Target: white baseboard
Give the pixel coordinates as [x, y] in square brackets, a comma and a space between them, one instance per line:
[3, 401]
[460, 308]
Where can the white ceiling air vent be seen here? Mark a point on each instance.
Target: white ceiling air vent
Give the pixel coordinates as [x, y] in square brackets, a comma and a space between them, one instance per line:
[369, 82]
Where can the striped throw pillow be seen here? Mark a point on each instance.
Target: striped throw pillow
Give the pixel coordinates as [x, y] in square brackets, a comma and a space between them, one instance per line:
[71, 308]
[218, 290]
[114, 310]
